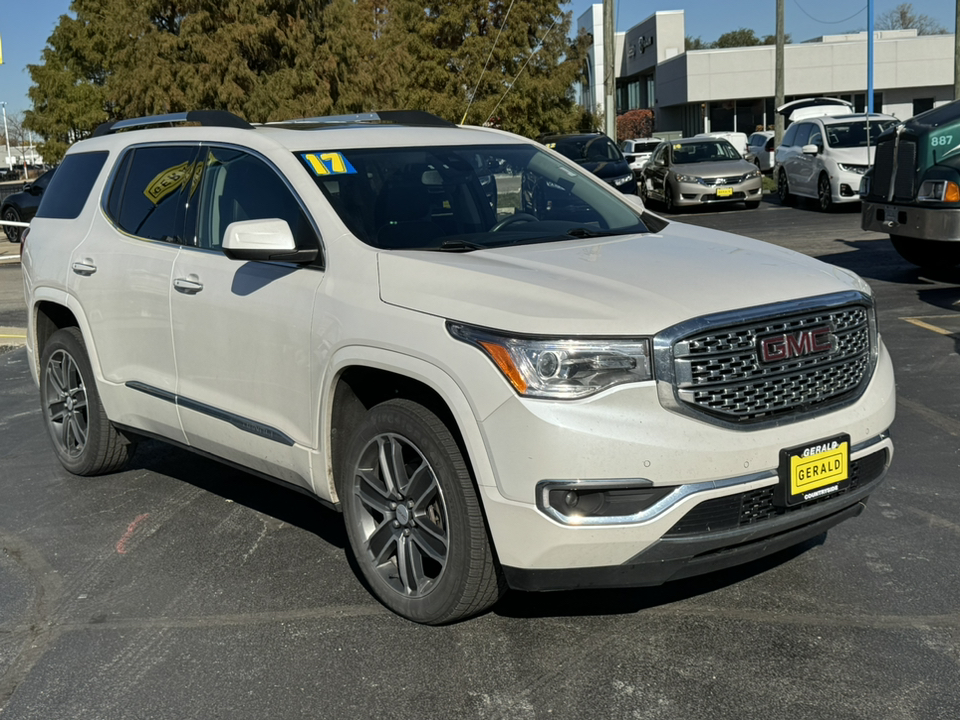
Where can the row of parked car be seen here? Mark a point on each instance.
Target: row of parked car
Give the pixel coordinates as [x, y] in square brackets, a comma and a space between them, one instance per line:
[823, 155]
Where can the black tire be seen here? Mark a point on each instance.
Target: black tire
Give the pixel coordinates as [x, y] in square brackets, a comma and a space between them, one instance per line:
[668, 198]
[642, 189]
[929, 254]
[414, 521]
[824, 193]
[783, 189]
[752, 204]
[85, 441]
[13, 233]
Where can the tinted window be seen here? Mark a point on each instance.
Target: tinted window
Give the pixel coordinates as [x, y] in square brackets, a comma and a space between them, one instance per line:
[854, 134]
[706, 151]
[70, 185]
[586, 148]
[790, 135]
[236, 186]
[803, 134]
[146, 199]
[816, 137]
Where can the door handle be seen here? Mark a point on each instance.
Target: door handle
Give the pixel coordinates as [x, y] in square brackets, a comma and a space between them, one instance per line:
[85, 268]
[189, 285]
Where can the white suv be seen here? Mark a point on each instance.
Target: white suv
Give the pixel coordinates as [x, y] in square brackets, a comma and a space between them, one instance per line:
[825, 157]
[502, 371]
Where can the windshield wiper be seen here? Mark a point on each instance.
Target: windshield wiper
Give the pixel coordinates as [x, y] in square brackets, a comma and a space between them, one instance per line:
[582, 232]
[460, 246]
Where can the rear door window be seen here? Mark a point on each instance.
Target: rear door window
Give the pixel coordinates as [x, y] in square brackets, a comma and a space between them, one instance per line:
[147, 197]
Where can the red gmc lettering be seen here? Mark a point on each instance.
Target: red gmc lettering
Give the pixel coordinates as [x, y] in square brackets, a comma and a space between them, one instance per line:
[805, 342]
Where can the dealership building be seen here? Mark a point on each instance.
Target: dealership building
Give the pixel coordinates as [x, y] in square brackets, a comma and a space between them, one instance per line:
[694, 91]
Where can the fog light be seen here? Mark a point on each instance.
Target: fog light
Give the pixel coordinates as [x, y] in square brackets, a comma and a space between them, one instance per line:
[575, 502]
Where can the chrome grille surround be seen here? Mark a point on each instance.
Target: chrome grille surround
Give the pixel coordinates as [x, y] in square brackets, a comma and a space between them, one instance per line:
[728, 180]
[709, 367]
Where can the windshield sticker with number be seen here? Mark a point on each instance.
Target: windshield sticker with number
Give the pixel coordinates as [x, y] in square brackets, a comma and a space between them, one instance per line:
[330, 163]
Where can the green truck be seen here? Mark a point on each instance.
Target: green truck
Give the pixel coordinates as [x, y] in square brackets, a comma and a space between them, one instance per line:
[912, 192]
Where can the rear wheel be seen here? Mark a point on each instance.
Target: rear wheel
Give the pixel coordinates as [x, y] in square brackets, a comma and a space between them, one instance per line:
[783, 189]
[824, 194]
[12, 231]
[413, 517]
[930, 254]
[85, 441]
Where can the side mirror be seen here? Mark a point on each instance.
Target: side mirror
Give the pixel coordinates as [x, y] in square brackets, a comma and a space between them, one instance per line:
[264, 240]
[750, 157]
[810, 149]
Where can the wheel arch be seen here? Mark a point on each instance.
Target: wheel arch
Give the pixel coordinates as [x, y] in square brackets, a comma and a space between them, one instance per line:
[361, 377]
[54, 310]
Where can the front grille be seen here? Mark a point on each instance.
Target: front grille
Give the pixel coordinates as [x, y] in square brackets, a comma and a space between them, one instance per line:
[903, 185]
[729, 180]
[883, 168]
[720, 373]
[755, 506]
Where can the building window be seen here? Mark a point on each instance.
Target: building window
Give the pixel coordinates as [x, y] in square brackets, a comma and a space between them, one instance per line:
[922, 105]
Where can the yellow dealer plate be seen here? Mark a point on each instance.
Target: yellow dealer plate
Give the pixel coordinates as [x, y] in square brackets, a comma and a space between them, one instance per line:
[724, 192]
[815, 471]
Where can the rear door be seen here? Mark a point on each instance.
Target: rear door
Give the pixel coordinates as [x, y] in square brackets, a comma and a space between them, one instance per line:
[242, 330]
[122, 272]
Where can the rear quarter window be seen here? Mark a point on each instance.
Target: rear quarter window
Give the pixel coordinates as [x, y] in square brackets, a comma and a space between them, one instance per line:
[70, 187]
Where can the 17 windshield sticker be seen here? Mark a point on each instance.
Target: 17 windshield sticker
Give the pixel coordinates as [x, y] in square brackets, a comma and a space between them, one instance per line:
[329, 163]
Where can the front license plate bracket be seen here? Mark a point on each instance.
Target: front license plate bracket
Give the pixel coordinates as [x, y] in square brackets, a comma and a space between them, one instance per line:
[813, 471]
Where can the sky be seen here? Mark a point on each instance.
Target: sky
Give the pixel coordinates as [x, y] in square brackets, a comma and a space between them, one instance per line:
[25, 26]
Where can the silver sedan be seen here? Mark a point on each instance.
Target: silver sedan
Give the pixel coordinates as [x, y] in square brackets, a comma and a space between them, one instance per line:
[695, 171]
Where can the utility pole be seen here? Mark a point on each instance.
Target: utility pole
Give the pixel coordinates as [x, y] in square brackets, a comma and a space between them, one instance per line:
[777, 117]
[956, 55]
[609, 72]
[869, 57]
[6, 135]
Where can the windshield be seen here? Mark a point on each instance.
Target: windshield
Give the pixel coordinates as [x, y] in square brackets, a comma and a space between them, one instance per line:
[586, 148]
[706, 151]
[465, 198]
[854, 134]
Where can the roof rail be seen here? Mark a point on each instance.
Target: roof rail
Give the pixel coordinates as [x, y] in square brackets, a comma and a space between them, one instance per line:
[209, 118]
[417, 118]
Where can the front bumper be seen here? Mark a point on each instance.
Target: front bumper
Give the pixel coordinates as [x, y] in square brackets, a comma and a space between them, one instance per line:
[701, 542]
[626, 436]
[941, 224]
[688, 194]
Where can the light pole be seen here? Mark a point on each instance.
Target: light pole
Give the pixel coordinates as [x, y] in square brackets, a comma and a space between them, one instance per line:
[6, 135]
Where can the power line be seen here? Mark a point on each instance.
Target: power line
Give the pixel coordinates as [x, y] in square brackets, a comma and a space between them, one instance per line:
[828, 22]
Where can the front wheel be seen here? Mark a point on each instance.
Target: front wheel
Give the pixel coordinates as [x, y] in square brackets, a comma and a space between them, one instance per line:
[929, 254]
[824, 194]
[783, 189]
[413, 517]
[668, 202]
[85, 441]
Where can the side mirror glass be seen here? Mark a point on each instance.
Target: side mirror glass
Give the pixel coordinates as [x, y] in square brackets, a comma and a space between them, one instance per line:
[264, 240]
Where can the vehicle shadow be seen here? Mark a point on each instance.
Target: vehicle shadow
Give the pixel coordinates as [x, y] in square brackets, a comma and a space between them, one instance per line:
[622, 601]
[255, 493]
[877, 260]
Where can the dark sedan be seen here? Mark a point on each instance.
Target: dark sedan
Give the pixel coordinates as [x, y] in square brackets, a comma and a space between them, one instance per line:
[22, 206]
[598, 154]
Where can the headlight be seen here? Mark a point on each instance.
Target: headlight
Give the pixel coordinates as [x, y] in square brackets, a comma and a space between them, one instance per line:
[621, 180]
[752, 174]
[859, 169]
[938, 191]
[559, 368]
[688, 178]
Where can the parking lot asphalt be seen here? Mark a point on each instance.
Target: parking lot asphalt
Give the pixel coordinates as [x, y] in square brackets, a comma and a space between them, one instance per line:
[182, 588]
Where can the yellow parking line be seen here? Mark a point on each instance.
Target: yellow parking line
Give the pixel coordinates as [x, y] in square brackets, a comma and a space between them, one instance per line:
[927, 326]
[18, 337]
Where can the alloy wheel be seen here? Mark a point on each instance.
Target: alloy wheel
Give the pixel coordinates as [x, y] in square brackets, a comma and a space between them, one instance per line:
[67, 407]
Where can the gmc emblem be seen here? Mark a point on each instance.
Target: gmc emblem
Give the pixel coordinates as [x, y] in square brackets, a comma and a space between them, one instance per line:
[779, 348]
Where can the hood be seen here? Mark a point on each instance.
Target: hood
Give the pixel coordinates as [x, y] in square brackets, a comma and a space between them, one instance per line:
[626, 285]
[853, 156]
[605, 168]
[719, 168]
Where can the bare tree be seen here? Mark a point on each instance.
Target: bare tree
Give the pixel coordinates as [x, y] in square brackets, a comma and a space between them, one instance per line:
[902, 17]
